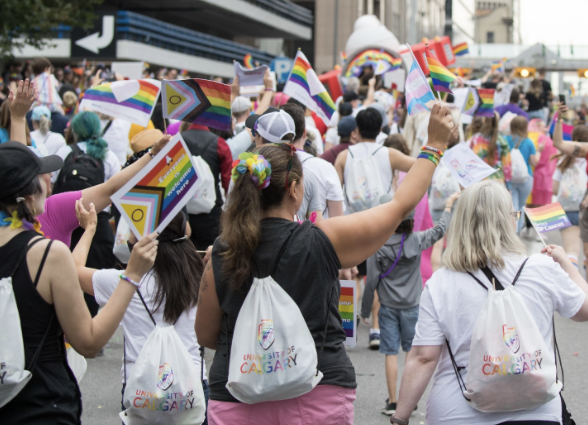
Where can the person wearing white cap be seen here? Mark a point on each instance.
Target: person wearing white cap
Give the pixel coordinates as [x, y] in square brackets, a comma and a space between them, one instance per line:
[241, 109]
[42, 136]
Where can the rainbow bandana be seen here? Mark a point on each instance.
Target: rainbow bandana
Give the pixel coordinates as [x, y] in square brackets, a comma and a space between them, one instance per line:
[257, 165]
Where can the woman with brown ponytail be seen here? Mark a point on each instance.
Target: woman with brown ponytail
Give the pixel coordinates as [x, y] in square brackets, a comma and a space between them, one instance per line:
[258, 222]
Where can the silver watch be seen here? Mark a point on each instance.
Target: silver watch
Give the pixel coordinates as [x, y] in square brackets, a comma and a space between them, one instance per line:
[394, 420]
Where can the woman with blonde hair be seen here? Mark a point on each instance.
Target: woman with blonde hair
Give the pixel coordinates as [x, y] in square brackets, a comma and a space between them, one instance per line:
[45, 139]
[482, 234]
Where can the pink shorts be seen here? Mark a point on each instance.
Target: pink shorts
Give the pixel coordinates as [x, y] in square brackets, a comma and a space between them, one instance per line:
[326, 404]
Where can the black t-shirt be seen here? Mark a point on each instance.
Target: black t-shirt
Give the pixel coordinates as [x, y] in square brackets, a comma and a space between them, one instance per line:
[546, 91]
[308, 272]
[490, 85]
[535, 103]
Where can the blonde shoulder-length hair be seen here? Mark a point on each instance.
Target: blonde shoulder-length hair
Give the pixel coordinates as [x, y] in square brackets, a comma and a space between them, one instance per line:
[481, 230]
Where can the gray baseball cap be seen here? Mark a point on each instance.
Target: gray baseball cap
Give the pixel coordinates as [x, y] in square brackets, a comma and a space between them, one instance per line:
[274, 126]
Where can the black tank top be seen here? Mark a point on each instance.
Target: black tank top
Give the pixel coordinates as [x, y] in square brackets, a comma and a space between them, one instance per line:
[52, 391]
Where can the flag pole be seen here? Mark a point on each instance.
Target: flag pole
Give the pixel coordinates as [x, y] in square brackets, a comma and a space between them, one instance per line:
[533, 224]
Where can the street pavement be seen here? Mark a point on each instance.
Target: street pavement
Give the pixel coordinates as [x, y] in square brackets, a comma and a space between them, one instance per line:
[101, 386]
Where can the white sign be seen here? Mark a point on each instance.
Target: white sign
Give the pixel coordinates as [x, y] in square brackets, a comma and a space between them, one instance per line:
[130, 70]
[465, 166]
[252, 91]
[250, 77]
[397, 77]
[347, 309]
[502, 97]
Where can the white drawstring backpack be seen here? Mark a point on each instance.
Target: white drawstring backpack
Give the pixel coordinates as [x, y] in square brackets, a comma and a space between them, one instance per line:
[363, 185]
[165, 386]
[273, 354]
[14, 376]
[520, 171]
[204, 198]
[510, 366]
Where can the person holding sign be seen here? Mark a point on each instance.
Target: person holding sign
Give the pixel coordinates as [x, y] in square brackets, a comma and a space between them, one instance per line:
[255, 226]
[46, 290]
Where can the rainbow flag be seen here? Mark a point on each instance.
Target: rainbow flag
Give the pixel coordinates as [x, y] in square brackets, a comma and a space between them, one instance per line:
[497, 66]
[218, 115]
[441, 76]
[549, 217]
[304, 85]
[486, 108]
[461, 49]
[248, 61]
[396, 63]
[130, 100]
[567, 129]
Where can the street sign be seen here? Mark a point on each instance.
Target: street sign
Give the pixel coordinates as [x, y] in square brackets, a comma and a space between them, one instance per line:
[98, 41]
[282, 67]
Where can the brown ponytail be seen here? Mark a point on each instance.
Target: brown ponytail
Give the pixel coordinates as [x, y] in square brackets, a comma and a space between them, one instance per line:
[240, 222]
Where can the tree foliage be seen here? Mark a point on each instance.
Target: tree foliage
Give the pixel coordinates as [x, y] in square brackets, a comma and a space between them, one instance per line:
[33, 22]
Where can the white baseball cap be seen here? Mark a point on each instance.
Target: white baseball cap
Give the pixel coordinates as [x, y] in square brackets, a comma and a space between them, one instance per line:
[274, 126]
[240, 104]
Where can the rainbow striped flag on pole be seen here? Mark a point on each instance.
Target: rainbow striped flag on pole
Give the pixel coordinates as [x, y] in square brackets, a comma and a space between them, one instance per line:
[486, 108]
[417, 90]
[304, 85]
[441, 76]
[547, 218]
[461, 49]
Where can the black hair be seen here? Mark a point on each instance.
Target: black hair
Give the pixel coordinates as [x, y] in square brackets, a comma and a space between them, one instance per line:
[296, 102]
[298, 116]
[345, 109]
[369, 123]
[10, 204]
[405, 226]
[178, 269]
[515, 94]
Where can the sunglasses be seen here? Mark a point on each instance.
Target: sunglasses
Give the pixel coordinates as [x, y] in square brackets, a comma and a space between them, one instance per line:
[517, 215]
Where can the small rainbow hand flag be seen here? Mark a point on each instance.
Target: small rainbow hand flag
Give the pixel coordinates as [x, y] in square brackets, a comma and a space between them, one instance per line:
[248, 61]
[497, 66]
[441, 76]
[549, 217]
[461, 49]
[486, 108]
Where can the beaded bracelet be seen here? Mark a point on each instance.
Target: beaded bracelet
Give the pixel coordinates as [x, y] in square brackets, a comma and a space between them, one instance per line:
[432, 149]
[131, 281]
[430, 156]
[151, 153]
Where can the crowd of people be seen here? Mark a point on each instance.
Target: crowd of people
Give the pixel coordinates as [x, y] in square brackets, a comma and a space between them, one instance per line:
[303, 203]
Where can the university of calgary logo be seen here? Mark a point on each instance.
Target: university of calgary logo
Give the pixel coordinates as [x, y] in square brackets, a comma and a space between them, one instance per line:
[265, 335]
[165, 377]
[511, 338]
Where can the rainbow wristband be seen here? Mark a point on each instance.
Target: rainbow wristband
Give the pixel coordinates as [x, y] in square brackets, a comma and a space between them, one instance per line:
[430, 156]
[131, 281]
[431, 149]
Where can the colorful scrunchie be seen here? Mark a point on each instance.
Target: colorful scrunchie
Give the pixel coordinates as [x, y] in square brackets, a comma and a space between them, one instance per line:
[259, 168]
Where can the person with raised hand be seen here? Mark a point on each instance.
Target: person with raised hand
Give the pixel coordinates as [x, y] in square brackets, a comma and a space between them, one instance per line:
[46, 290]
[257, 227]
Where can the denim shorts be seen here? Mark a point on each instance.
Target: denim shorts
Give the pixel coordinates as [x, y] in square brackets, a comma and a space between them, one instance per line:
[397, 327]
[574, 217]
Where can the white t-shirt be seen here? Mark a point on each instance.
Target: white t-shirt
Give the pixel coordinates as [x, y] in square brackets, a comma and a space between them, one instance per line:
[111, 162]
[332, 136]
[117, 137]
[449, 308]
[239, 143]
[136, 322]
[381, 138]
[326, 176]
[579, 163]
[52, 141]
[318, 140]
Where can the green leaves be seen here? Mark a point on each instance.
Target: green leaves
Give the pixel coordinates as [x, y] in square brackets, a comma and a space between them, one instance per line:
[33, 22]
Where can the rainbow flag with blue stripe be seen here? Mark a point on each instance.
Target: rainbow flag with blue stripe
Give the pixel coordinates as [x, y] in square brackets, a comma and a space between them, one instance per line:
[461, 49]
[441, 76]
[304, 85]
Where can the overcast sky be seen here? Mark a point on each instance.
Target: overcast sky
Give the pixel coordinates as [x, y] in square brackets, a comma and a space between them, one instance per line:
[562, 22]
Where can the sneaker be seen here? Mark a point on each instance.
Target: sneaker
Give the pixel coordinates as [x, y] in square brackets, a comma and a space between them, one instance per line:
[389, 409]
[374, 343]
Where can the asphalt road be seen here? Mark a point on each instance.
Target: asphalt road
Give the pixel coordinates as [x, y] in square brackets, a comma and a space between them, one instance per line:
[101, 386]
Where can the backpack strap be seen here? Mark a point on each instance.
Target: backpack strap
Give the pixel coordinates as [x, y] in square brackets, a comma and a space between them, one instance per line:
[145, 305]
[106, 128]
[310, 157]
[457, 369]
[33, 362]
[376, 151]
[382, 276]
[282, 250]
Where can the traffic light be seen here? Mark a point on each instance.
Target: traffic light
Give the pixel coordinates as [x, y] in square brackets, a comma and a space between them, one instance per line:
[583, 73]
[525, 72]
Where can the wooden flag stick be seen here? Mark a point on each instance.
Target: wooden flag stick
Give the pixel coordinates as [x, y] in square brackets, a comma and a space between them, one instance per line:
[533, 224]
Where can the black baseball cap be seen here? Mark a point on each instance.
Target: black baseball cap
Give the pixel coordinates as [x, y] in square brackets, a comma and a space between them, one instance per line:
[19, 165]
[252, 119]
